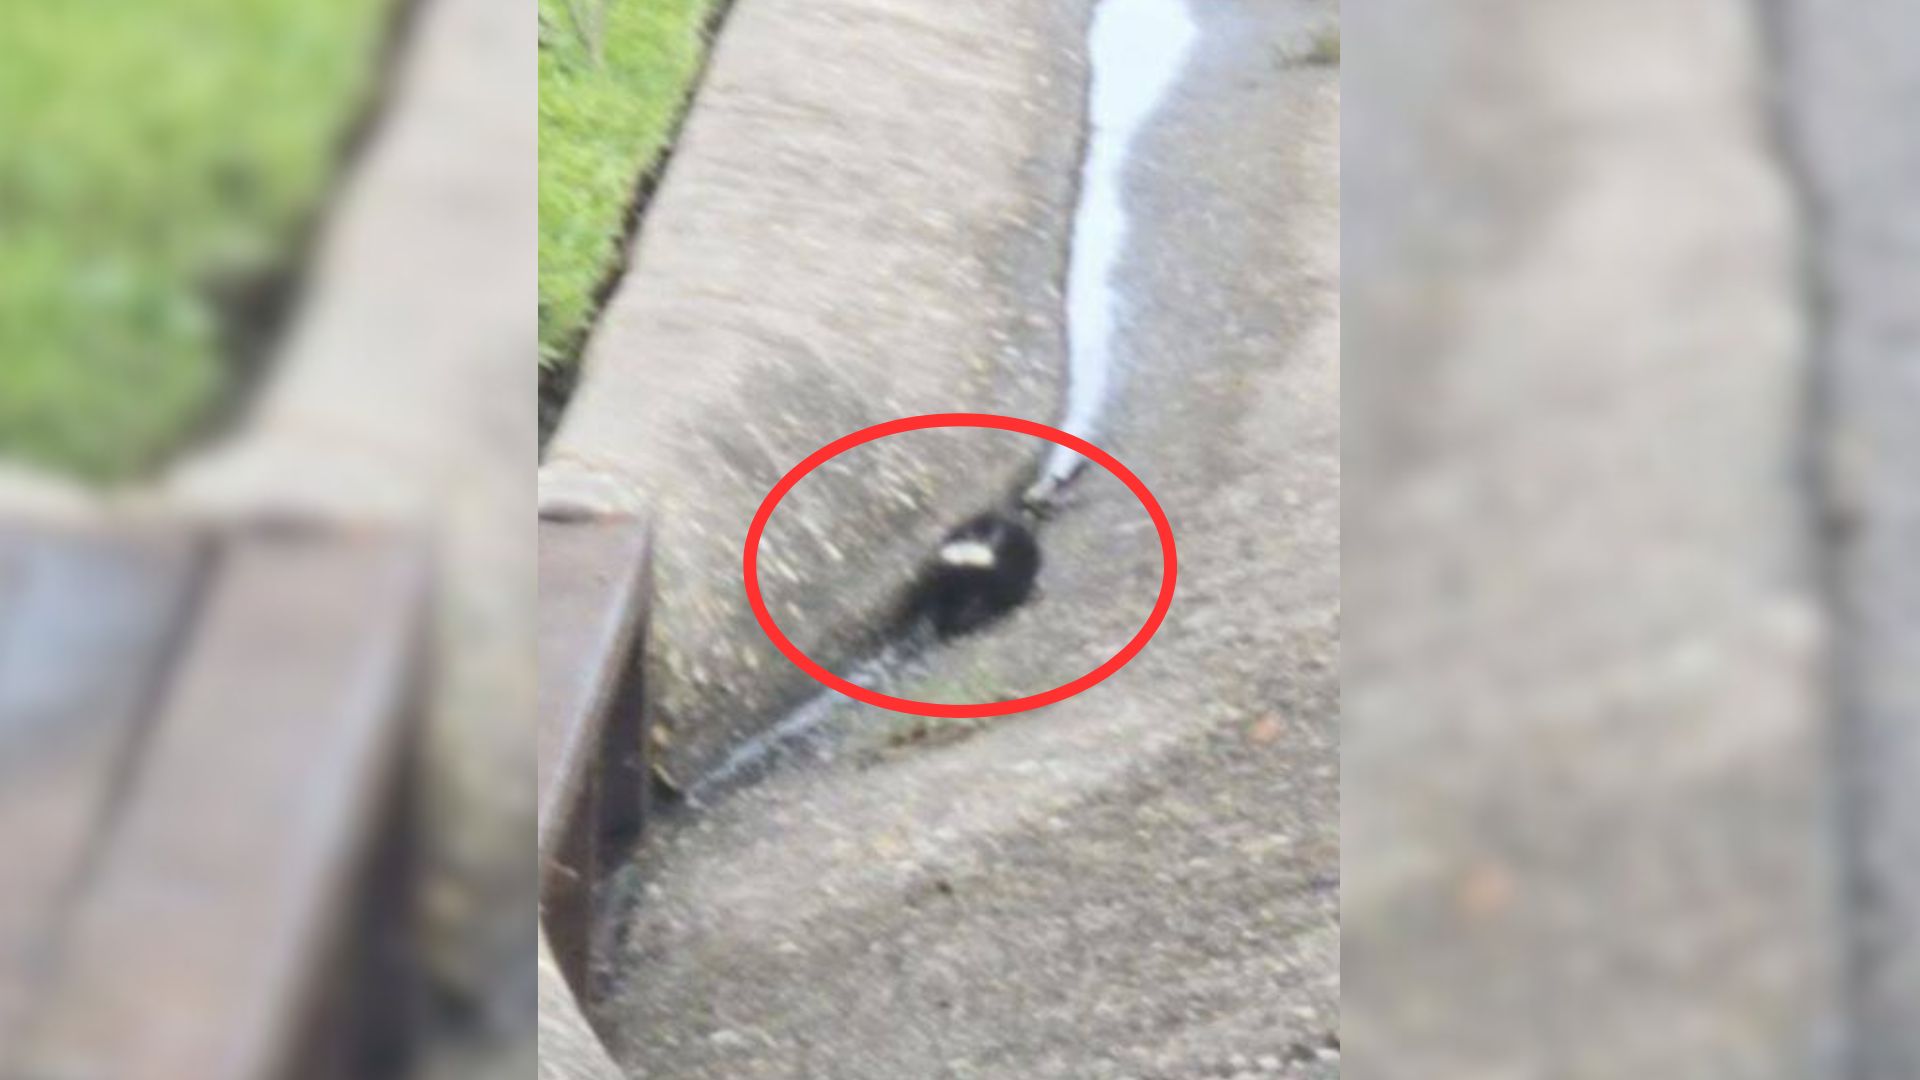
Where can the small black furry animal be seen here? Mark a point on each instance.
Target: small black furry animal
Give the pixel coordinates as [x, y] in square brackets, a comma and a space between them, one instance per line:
[985, 567]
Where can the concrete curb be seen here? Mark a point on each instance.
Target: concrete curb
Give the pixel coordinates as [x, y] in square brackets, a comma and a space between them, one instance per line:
[569, 1050]
[1848, 145]
[1588, 721]
[400, 393]
[866, 218]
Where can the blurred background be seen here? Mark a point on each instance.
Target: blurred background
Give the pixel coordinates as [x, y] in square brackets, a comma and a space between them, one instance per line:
[1629, 703]
[266, 556]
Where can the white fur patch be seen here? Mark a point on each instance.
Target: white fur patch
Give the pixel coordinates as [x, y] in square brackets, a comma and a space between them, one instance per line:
[967, 553]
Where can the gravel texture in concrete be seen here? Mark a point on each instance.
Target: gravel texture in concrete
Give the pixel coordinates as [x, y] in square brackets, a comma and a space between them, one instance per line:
[1142, 881]
[865, 219]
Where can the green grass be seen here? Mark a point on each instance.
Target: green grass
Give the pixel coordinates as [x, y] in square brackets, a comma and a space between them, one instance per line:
[152, 150]
[1325, 50]
[613, 75]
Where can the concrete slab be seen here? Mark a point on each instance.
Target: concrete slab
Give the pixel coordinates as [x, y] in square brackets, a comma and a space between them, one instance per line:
[1585, 829]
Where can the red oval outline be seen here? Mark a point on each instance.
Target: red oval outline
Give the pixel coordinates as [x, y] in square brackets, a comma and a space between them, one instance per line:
[963, 711]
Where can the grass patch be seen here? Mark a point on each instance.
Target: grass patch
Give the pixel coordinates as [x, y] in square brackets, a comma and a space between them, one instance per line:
[613, 77]
[156, 154]
[1325, 50]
